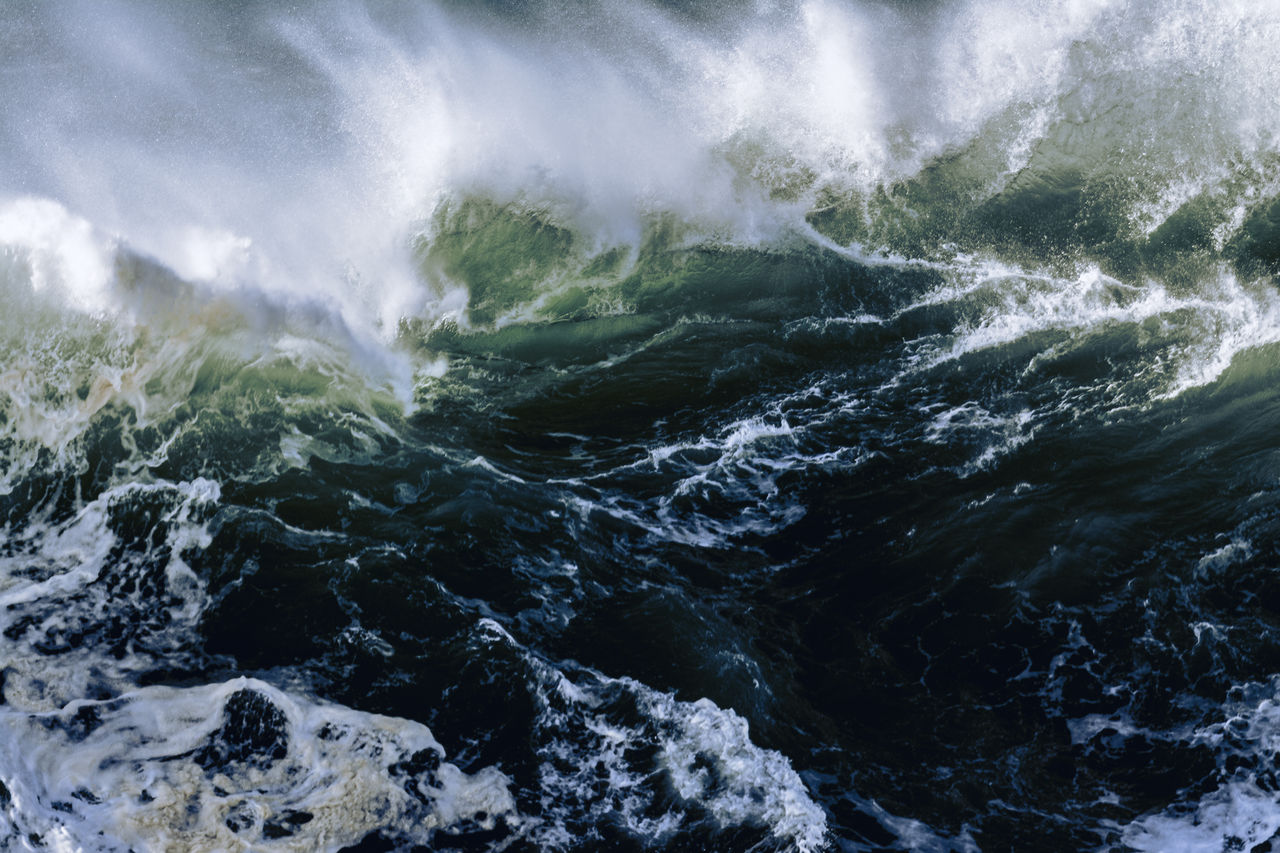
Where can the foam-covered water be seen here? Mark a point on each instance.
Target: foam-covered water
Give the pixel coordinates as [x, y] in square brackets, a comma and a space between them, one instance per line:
[759, 426]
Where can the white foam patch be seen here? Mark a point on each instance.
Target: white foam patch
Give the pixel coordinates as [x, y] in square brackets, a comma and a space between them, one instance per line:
[89, 605]
[739, 782]
[1023, 304]
[60, 584]
[1199, 333]
[1083, 729]
[1237, 817]
[233, 766]
[1237, 550]
[1237, 318]
[1244, 811]
[597, 738]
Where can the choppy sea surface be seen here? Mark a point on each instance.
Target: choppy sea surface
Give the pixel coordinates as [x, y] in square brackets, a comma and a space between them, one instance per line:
[585, 425]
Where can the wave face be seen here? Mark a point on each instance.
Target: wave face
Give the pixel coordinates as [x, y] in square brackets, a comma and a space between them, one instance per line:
[791, 426]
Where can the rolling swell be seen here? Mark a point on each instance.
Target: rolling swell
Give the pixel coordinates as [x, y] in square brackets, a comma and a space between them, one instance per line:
[830, 426]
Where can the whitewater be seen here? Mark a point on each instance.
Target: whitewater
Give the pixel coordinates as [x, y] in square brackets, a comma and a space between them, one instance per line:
[787, 425]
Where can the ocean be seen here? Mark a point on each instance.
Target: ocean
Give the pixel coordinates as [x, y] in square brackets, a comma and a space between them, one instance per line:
[573, 425]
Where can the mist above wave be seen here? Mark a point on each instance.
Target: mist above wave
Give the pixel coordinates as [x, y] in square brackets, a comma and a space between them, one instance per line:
[305, 154]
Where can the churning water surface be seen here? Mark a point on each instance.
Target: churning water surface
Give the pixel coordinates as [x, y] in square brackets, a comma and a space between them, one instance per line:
[588, 425]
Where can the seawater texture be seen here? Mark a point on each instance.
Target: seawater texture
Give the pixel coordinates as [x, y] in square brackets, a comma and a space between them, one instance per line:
[779, 426]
